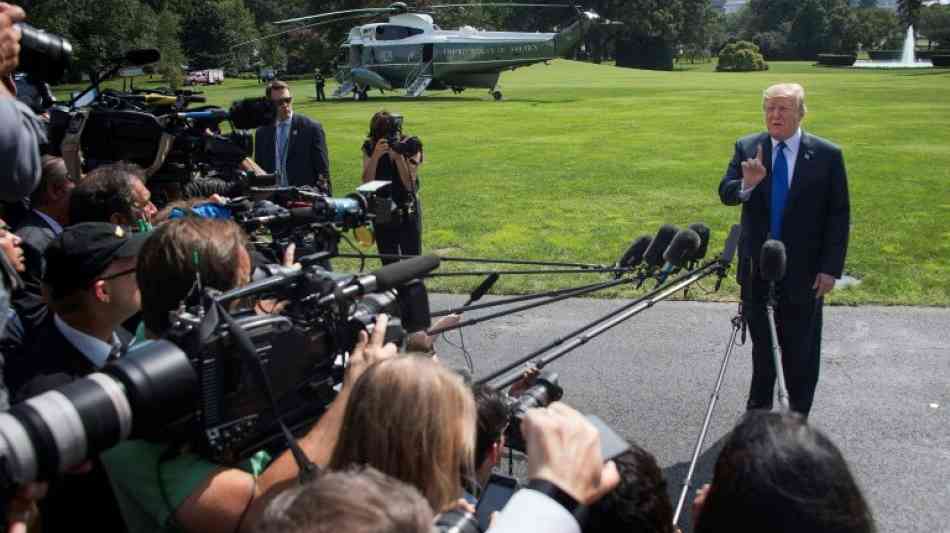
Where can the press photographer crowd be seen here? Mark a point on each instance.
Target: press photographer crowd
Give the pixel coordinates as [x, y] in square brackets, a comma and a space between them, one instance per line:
[179, 354]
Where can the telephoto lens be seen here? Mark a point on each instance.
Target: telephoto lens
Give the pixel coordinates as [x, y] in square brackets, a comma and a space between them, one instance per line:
[544, 391]
[42, 54]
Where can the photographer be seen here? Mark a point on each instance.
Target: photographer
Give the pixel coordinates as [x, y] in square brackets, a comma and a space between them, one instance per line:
[390, 156]
[22, 133]
[164, 486]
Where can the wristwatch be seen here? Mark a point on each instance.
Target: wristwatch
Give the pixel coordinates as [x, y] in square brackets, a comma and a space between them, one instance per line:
[555, 493]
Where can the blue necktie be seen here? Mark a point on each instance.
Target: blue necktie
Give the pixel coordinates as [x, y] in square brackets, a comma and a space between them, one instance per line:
[282, 151]
[779, 190]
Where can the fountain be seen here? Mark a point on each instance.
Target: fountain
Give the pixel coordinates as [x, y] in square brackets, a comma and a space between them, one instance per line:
[907, 60]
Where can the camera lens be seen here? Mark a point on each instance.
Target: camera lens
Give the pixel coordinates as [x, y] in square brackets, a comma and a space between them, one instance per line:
[42, 54]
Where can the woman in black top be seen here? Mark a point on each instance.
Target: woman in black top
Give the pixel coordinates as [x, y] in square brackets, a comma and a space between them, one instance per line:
[403, 234]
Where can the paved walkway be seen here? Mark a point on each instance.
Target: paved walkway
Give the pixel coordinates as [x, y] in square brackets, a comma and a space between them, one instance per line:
[883, 396]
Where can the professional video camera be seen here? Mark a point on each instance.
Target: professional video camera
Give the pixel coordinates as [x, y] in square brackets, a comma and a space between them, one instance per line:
[228, 386]
[407, 146]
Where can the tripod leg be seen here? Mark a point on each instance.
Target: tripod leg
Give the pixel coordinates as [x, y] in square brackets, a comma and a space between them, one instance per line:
[713, 398]
[777, 359]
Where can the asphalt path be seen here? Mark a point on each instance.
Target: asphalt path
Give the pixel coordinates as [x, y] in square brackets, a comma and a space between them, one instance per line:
[883, 395]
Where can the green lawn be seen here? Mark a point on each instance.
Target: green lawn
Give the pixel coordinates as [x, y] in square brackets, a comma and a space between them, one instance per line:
[579, 159]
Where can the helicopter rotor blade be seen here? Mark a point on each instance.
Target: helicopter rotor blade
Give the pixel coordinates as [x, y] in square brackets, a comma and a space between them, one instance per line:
[498, 4]
[304, 27]
[367, 11]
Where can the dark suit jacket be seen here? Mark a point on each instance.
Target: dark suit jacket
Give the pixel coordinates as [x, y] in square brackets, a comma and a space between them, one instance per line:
[49, 359]
[307, 158]
[37, 235]
[816, 218]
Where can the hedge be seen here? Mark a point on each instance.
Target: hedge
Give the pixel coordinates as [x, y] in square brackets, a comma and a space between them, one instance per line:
[836, 60]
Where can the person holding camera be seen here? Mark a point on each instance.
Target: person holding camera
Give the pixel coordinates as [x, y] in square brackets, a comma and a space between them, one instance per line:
[167, 486]
[388, 155]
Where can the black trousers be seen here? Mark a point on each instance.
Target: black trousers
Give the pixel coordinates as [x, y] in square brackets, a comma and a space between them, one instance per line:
[798, 320]
[402, 236]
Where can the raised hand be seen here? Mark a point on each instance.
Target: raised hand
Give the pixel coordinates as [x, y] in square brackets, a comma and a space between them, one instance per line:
[753, 171]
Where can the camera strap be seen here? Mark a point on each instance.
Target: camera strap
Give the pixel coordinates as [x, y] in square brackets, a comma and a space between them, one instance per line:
[71, 147]
[245, 347]
[164, 146]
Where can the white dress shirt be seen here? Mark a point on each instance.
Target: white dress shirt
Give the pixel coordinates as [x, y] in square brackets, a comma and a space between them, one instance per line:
[53, 225]
[792, 145]
[94, 349]
[278, 166]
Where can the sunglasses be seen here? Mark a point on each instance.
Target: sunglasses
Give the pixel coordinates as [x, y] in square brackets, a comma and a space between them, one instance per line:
[282, 101]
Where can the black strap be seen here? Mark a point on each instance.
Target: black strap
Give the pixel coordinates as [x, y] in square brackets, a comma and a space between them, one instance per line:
[555, 493]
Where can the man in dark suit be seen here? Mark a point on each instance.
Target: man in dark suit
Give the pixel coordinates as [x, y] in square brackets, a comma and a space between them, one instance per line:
[792, 187]
[295, 148]
[46, 219]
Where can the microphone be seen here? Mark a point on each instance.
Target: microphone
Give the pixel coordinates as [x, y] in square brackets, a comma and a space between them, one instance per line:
[482, 289]
[634, 255]
[683, 246]
[388, 277]
[654, 253]
[772, 261]
[703, 231]
[732, 242]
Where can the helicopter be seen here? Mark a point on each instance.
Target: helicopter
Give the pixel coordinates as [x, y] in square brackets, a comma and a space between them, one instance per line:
[409, 52]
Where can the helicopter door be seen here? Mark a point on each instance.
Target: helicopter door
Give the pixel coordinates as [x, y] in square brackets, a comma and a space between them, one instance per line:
[427, 52]
[356, 55]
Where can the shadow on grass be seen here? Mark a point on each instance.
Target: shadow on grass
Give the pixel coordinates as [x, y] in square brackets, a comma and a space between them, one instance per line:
[388, 98]
[927, 72]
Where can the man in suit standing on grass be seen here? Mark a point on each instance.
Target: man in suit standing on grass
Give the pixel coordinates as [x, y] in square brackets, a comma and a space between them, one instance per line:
[295, 148]
[792, 187]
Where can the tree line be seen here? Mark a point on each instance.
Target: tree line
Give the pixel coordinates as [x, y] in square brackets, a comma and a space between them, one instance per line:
[240, 35]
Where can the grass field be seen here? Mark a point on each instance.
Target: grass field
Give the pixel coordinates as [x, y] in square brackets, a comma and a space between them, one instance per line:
[580, 158]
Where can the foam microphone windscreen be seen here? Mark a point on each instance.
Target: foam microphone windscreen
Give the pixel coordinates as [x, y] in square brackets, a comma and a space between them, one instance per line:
[634, 255]
[252, 113]
[682, 247]
[703, 231]
[654, 253]
[145, 56]
[396, 274]
[772, 260]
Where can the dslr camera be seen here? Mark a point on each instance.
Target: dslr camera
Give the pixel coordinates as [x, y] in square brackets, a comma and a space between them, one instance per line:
[406, 146]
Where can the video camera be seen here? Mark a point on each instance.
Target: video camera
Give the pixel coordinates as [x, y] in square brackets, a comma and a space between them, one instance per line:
[546, 389]
[228, 386]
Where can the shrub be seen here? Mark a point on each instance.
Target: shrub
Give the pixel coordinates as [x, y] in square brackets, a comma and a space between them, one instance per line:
[741, 56]
[885, 55]
[836, 60]
[940, 60]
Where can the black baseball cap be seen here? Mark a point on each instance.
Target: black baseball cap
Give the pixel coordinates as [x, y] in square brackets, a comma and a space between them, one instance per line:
[81, 253]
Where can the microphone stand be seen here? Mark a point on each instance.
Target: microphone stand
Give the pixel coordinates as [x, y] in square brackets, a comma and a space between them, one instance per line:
[738, 323]
[776, 349]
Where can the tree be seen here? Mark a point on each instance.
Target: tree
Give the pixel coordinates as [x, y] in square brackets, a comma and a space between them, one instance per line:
[908, 10]
[741, 56]
[213, 28]
[809, 32]
[876, 27]
[168, 42]
[934, 24]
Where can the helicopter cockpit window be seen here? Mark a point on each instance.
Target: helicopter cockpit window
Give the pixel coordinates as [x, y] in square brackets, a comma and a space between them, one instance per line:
[389, 32]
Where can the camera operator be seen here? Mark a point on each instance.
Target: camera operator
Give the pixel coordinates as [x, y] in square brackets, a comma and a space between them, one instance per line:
[295, 147]
[359, 500]
[113, 193]
[390, 156]
[22, 133]
[163, 486]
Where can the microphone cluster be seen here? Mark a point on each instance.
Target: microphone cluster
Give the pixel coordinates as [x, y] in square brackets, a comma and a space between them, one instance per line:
[670, 250]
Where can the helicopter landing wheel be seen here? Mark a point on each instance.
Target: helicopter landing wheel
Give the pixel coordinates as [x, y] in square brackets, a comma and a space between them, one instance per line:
[496, 94]
[364, 94]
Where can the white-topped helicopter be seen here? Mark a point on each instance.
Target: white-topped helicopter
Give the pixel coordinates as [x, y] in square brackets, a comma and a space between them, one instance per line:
[409, 52]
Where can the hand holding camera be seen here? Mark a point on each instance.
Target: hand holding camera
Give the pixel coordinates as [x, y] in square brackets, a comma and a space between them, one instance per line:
[564, 449]
[9, 37]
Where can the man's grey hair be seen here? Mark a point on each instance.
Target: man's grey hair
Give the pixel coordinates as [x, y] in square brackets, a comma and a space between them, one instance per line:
[793, 90]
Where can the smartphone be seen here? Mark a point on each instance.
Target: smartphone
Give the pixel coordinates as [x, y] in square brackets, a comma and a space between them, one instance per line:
[611, 444]
[496, 494]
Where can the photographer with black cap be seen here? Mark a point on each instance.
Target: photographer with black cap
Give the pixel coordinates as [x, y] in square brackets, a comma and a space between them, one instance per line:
[390, 156]
[90, 286]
